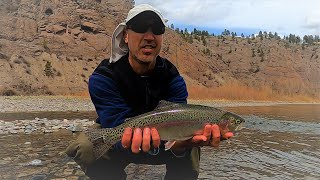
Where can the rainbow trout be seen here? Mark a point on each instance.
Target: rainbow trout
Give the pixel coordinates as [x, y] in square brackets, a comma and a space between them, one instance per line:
[174, 122]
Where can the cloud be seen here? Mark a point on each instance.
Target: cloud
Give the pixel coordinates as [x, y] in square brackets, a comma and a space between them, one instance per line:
[282, 16]
[312, 22]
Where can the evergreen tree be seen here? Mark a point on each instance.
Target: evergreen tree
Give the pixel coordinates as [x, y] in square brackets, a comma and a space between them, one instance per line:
[298, 40]
[265, 34]
[48, 69]
[308, 39]
[225, 32]
[291, 38]
[177, 30]
[260, 35]
[233, 35]
[271, 35]
[228, 33]
[252, 36]
[276, 36]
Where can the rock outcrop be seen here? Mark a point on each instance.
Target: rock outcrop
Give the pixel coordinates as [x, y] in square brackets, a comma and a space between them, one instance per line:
[52, 47]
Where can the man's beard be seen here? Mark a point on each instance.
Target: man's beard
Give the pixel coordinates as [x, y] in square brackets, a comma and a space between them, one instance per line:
[139, 61]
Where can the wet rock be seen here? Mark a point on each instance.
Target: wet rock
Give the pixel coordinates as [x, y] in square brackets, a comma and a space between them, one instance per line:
[7, 158]
[76, 127]
[3, 162]
[12, 131]
[68, 172]
[56, 127]
[79, 172]
[22, 175]
[35, 162]
[71, 163]
[29, 129]
[8, 124]
[33, 155]
[47, 131]
[73, 178]
[38, 177]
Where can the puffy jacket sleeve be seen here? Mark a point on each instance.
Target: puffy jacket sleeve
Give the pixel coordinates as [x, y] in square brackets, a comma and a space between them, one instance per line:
[110, 106]
[177, 90]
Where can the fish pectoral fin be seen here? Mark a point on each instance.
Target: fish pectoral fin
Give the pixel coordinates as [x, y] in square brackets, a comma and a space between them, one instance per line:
[168, 145]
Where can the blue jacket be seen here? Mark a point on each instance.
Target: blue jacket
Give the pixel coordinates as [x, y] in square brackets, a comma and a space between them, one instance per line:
[117, 92]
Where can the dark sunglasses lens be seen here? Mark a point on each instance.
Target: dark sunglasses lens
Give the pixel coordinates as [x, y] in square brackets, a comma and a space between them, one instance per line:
[157, 29]
[141, 28]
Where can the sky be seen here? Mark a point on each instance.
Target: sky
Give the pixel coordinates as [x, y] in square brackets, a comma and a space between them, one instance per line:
[299, 17]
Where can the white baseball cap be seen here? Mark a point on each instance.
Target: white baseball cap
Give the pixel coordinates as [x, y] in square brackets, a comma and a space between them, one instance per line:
[118, 47]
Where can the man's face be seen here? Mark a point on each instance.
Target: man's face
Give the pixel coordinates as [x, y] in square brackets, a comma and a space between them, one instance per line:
[143, 42]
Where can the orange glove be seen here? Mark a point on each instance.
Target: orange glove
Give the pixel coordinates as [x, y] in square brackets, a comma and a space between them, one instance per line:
[140, 138]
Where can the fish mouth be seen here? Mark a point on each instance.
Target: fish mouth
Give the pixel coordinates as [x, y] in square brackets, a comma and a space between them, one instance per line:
[238, 128]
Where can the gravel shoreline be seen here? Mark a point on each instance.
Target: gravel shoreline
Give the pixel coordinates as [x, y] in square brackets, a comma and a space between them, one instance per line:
[26, 104]
[63, 103]
[44, 103]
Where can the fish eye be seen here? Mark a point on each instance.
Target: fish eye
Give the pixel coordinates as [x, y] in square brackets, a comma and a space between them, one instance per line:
[238, 121]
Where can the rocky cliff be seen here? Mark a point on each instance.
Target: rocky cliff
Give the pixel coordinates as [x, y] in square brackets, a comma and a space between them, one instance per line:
[52, 47]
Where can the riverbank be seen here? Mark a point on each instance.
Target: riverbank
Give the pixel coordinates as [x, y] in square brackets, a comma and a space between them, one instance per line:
[76, 103]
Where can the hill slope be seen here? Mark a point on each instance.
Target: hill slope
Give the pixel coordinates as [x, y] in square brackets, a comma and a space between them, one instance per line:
[52, 47]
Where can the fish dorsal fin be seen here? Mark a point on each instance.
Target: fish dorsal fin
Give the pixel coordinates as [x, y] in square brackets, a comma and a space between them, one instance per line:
[164, 104]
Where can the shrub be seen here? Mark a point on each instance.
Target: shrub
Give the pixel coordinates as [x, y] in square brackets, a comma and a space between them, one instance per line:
[48, 69]
[9, 92]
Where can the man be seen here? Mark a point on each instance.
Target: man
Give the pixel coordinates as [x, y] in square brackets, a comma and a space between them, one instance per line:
[132, 82]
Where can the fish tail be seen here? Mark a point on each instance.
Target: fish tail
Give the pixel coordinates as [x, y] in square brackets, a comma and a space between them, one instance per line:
[102, 140]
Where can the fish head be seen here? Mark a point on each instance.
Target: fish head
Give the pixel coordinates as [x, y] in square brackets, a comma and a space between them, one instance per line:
[230, 122]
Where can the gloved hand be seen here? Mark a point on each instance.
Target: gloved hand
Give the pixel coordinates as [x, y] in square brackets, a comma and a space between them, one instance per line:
[81, 150]
[139, 138]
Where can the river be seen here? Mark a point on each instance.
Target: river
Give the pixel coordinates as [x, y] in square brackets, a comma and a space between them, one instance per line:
[278, 142]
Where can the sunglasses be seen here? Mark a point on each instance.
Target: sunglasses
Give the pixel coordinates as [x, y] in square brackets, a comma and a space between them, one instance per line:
[156, 28]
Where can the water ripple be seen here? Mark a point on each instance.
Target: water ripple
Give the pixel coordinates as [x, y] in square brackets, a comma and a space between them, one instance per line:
[267, 125]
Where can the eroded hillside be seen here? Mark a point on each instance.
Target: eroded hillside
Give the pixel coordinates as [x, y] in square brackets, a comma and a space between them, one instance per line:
[52, 47]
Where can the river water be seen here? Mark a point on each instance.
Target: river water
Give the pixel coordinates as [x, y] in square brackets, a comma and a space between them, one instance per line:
[278, 142]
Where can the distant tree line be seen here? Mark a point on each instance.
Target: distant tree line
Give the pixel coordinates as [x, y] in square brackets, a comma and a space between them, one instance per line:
[201, 36]
[190, 36]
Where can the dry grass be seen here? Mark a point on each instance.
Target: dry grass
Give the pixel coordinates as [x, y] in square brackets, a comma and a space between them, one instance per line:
[233, 92]
[84, 94]
[238, 92]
